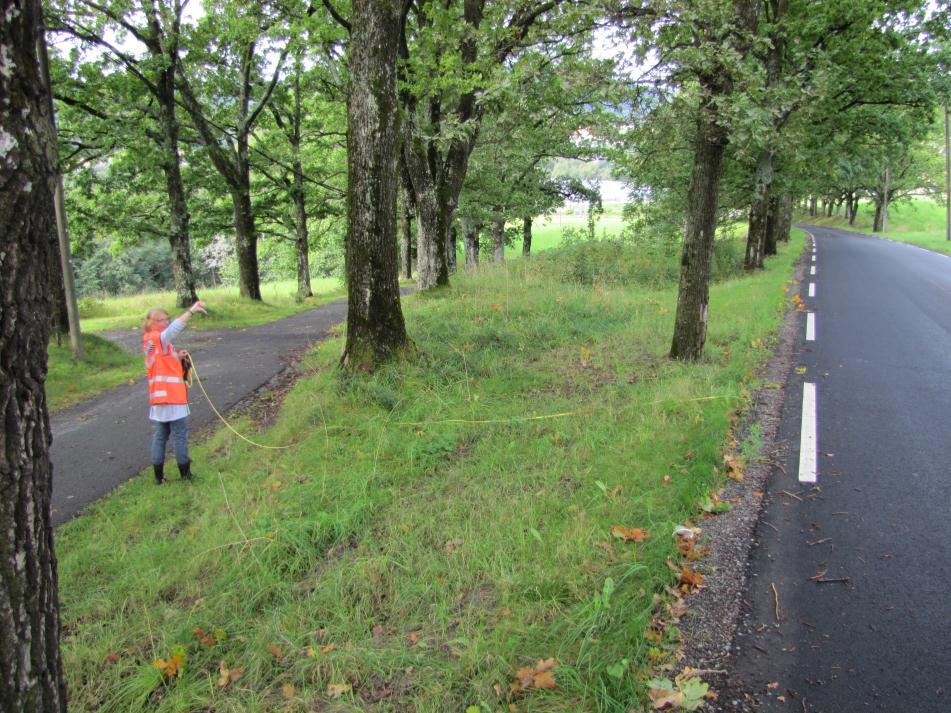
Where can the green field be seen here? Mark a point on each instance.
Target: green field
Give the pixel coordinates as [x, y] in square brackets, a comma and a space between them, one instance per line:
[459, 531]
[547, 232]
[919, 222]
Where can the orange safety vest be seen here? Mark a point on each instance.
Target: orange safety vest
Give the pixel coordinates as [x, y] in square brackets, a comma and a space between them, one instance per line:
[166, 380]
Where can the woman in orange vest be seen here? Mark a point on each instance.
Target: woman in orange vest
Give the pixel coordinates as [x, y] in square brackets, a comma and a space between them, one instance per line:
[168, 395]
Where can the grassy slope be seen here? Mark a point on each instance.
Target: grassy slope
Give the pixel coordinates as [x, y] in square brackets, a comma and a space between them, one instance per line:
[436, 524]
[920, 222]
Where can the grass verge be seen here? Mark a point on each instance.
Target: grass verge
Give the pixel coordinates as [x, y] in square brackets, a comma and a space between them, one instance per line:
[438, 528]
[919, 222]
[106, 365]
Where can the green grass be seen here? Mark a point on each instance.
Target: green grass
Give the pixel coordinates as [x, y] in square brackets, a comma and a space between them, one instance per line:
[434, 525]
[106, 365]
[547, 232]
[225, 307]
[919, 222]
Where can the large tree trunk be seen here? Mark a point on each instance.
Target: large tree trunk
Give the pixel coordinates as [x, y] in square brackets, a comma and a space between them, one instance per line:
[406, 240]
[437, 174]
[178, 235]
[470, 242]
[812, 207]
[246, 243]
[163, 47]
[375, 326]
[785, 226]
[302, 237]
[451, 247]
[756, 233]
[498, 241]
[877, 222]
[31, 678]
[690, 323]
[773, 221]
[527, 236]
[435, 208]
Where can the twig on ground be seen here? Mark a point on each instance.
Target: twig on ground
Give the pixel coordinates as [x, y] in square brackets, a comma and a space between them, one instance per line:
[792, 495]
[776, 596]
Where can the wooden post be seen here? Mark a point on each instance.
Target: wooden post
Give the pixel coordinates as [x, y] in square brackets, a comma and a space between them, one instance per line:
[62, 229]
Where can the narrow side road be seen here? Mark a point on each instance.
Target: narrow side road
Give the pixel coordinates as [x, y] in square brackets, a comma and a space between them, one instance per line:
[846, 608]
[101, 443]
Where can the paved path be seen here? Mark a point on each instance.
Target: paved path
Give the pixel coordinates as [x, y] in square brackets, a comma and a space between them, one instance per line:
[859, 564]
[103, 442]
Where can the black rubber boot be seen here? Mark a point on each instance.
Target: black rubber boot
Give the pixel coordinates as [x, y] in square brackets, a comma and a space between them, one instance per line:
[185, 469]
[159, 473]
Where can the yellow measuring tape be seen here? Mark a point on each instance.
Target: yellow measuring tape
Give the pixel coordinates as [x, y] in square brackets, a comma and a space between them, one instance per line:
[194, 371]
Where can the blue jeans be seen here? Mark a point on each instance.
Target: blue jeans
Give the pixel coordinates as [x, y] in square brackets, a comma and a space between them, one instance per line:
[179, 432]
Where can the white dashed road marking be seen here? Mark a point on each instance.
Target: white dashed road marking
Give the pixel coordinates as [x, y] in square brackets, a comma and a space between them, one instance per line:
[808, 442]
[812, 289]
[811, 327]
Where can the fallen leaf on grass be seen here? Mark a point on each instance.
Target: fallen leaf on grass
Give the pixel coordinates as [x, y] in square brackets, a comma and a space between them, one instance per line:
[541, 676]
[171, 666]
[335, 690]
[288, 690]
[227, 675]
[204, 638]
[629, 534]
[276, 652]
[112, 657]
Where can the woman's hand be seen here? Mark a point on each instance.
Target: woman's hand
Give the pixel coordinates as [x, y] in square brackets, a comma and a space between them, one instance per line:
[199, 306]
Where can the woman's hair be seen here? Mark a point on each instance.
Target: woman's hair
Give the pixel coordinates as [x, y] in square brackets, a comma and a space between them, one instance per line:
[150, 318]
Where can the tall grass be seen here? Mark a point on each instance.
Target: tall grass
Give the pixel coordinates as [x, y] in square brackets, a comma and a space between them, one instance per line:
[432, 526]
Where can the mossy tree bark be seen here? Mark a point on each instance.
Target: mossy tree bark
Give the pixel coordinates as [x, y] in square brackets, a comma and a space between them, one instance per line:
[690, 324]
[31, 678]
[375, 327]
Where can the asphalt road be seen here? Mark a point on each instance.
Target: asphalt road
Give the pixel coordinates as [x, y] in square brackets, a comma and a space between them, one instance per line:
[101, 443]
[847, 608]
